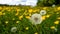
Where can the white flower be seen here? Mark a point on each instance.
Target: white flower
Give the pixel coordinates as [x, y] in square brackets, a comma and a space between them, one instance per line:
[36, 19]
[42, 12]
[13, 29]
[53, 5]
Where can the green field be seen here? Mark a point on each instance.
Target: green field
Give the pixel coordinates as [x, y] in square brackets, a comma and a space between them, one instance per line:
[14, 16]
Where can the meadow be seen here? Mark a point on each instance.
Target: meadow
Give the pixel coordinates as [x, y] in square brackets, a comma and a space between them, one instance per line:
[19, 16]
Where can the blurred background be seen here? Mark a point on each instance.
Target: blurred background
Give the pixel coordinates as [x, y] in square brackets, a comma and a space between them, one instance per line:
[15, 16]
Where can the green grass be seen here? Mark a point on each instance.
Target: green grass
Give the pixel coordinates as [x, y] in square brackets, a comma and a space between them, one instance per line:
[43, 28]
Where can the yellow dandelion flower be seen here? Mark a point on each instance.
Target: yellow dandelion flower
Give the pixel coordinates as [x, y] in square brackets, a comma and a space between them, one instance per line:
[47, 16]
[6, 22]
[17, 10]
[56, 22]
[0, 8]
[20, 17]
[17, 21]
[30, 14]
[36, 33]
[58, 8]
[57, 13]
[1, 13]
[58, 18]
[44, 8]
[52, 27]
[30, 10]
[28, 17]
[6, 8]
[35, 11]
[9, 10]
[16, 14]
[13, 19]
[27, 28]
[43, 17]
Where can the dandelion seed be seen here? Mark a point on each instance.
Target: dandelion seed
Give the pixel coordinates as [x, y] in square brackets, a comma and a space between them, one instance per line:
[53, 5]
[56, 29]
[36, 19]
[13, 29]
[42, 12]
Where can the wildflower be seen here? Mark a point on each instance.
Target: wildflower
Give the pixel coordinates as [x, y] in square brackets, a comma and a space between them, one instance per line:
[36, 19]
[0, 8]
[6, 22]
[17, 10]
[28, 17]
[53, 5]
[1, 13]
[58, 18]
[13, 29]
[20, 17]
[45, 8]
[30, 10]
[4, 13]
[43, 17]
[56, 29]
[47, 16]
[27, 28]
[56, 22]
[52, 27]
[13, 19]
[36, 33]
[42, 12]
[17, 21]
[30, 14]
[58, 8]
[16, 14]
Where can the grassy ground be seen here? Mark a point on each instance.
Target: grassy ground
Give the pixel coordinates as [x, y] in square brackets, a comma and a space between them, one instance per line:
[19, 17]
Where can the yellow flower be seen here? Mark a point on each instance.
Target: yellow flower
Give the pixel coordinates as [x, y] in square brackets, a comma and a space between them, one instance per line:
[57, 13]
[16, 14]
[35, 10]
[17, 21]
[47, 16]
[43, 17]
[17, 10]
[20, 17]
[9, 10]
[0, 8]
[28, 17]
[27, 28]
[30, 10]
[44, 8]
[30, 14]
[56, 22]
[13, 19]
[58, 18]
[6, 8]
[6, 22]
[52, 27]
[1, 13]
[36, 33]
[58, 8]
